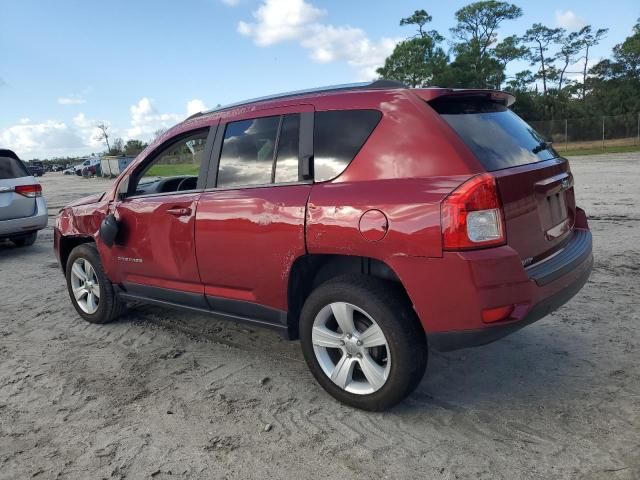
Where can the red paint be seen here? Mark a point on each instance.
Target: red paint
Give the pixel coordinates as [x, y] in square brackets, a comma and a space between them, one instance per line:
[247, 239]
[373, 225]
[241, 243]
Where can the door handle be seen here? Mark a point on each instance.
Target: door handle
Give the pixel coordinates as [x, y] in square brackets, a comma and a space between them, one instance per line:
[179, 211]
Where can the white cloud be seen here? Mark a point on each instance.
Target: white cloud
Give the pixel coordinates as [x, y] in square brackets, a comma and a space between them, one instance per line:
[195, 106]
[279, 20]
[55, 138]
[295, 20]
[569, 20]
[88, 131]
[71, 100]
[145, 119]
[50, 138]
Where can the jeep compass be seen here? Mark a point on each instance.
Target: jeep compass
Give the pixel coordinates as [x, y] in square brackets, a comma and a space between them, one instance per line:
[372, 222]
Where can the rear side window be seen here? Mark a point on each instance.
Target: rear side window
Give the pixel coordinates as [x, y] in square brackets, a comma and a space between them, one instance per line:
[338, 137]
[247, 152]
[497, 136]
[287, 156]
[11, 168]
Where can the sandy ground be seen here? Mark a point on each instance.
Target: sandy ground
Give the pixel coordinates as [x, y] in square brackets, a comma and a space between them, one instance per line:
[163, 394]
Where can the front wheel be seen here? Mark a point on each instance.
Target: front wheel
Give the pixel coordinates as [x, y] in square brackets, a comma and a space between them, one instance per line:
[90, 290]
[363, 342]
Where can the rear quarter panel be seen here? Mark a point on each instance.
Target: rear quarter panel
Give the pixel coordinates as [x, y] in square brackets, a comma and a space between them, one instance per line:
[408, 165]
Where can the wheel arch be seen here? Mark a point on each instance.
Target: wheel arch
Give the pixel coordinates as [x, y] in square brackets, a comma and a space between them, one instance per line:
[311, 270]
[68, 243]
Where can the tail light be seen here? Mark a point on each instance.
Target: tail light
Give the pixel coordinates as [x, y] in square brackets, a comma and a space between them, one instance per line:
[31, 191]
[472, 215]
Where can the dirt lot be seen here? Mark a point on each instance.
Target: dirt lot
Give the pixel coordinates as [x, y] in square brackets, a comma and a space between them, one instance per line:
[163, 394]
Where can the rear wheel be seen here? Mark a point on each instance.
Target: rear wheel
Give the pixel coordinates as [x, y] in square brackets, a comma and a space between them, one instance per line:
[90, 290]
[362, 342]
[25, 240]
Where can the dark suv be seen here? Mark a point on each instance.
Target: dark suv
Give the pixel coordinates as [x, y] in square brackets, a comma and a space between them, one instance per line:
[36, 168]
[370, 221]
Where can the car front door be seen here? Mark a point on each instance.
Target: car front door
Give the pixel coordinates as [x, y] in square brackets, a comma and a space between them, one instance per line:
[154, 256]
[250, 219]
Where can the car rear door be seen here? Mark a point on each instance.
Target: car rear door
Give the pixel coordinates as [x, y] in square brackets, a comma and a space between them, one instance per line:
[13, 173]
[154, 256]
[251, 218]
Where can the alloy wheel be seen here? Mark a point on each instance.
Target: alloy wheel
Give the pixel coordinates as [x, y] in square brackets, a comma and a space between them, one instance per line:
[351, 348]
[85, 285]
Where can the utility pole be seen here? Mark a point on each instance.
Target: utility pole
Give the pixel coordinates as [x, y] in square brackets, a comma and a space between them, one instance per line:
[603, 133]
[566, 134]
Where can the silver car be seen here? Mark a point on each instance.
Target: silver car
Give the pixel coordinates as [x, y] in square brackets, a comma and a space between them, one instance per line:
[23, 210]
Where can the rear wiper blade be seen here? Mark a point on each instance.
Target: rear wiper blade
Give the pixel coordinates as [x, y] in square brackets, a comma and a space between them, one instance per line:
[541, 146]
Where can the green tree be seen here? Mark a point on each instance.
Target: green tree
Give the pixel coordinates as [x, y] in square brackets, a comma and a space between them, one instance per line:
[117, 146]
[476, 30]
[570, 48]
[507, 51]
[419, 60]
[589, 38]
[540, 37]
[134, 147]
[614, 84]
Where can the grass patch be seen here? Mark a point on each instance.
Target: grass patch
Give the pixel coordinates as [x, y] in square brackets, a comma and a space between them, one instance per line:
[173, 170]
[600, 150]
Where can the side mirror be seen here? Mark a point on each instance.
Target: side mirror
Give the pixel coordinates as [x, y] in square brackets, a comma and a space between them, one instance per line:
[109, 230]
[123, 188]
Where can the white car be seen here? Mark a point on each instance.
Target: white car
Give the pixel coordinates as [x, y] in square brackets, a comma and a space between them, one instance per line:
[77, 169]
[23, 210]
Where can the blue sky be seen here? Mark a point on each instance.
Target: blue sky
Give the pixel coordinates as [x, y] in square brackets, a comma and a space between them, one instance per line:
[143, 65]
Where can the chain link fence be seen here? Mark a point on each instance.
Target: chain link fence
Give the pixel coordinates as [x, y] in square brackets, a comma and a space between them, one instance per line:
[594, 132]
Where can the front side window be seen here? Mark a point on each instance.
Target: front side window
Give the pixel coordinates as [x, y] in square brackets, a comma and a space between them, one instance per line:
[338, 137]
[176, 168]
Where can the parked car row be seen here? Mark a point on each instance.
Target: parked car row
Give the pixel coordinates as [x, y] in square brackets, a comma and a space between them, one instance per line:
[87, 168]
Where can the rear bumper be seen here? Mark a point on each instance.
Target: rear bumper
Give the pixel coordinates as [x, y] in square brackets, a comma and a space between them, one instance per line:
[450, 293]
[447, 341]
[18, 226]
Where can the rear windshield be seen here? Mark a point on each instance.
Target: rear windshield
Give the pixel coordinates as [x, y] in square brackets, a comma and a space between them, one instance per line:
[11, 168]
[497, 136]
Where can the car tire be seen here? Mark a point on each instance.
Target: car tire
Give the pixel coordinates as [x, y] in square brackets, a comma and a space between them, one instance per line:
[84, 270]
[25, 240]
[399, 363]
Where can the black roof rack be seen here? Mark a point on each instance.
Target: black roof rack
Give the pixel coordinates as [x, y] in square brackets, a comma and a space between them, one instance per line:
[381, 84]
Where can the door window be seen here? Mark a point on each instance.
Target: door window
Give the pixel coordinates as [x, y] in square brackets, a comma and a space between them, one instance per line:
[286, 167]
[247, 152]
[176, 168]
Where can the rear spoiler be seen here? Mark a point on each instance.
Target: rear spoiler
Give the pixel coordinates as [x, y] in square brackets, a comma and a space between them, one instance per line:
[429, 94]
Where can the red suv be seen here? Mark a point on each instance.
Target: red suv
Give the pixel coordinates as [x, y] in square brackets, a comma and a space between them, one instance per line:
[371, 221]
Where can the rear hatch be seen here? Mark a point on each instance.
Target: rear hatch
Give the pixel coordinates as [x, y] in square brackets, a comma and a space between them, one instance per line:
[534, 183]
[13, 173]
